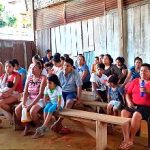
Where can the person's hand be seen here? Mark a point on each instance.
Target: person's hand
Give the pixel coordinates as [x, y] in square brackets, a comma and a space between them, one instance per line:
[24, 106]
[6, 94]
[122, 85]
[130, 104]
[1, 94]
[45, 102]
[142, 89]
[78, 102]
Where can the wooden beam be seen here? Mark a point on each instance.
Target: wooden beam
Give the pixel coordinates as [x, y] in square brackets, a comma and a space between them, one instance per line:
[90, 131]
[85, 127]
[101, 135]
[121, 30]
[33, 21]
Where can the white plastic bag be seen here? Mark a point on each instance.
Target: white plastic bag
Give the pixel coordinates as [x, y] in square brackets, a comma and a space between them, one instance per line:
[25, 117]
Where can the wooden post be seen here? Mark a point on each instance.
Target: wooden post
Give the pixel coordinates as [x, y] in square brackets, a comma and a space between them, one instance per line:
[121, 30]
[25, 55]
[33, 21]
[101, 135]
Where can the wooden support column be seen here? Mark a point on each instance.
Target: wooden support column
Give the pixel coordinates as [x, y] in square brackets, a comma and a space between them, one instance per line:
[33, 21]
[121, 30]
[101, 135]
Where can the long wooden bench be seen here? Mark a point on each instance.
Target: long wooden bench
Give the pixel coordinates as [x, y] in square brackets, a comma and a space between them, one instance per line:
[88, 98]
[99, 122]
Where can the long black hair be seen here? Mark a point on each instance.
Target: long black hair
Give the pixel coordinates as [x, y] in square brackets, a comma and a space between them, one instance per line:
[54, 78]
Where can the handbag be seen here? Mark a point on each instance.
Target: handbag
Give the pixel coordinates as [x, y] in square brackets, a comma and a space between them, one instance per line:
[25, 117]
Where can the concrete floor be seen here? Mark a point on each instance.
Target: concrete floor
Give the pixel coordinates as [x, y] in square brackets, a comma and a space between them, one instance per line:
[76, 140]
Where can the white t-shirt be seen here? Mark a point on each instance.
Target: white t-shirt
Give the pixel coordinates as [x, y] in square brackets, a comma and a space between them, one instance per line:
[53, 95]
[100, 81]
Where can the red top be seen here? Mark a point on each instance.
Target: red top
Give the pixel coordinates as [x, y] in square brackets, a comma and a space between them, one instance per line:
[11, 77]
[134, 91]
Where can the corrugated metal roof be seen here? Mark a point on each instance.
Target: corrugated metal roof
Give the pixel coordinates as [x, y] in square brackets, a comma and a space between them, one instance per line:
[74, 11]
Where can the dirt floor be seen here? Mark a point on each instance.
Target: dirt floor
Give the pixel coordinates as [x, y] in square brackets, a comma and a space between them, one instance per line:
[76, 140]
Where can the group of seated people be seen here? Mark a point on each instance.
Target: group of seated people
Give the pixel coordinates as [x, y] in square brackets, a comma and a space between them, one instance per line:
[56, 82]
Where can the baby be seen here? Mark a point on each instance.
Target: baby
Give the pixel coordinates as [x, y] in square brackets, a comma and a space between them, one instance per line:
[9, 85]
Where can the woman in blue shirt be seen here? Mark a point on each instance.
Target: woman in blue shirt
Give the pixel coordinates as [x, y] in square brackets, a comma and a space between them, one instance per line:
[134, 71]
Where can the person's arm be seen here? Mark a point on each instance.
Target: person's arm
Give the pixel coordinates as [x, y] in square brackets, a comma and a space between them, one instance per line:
[124, 72]
[46, 99]
[22, 76]
[59, 102]
[129, 101]
[25, 93]
[79, 86]
[79, 90]
[94, 87]
[127, 78]
[108, 95]
[41, 92]
[84, 74]
[92, 70]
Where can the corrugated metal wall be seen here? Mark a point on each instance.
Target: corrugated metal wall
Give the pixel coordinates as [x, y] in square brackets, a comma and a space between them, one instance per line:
[21, 50]
[74, 11]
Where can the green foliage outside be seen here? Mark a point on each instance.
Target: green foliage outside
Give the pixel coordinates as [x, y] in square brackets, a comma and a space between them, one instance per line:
[5, 18]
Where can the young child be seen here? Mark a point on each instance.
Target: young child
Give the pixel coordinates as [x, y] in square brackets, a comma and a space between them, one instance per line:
[94, 65]
[48, 66]
[54, 102]
[115, 95]
[99, 81]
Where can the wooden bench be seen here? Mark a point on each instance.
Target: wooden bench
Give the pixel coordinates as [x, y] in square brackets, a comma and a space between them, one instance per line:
[88, 98]
[99, 122]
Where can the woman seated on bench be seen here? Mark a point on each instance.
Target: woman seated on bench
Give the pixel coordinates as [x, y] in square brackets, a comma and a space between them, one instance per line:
[12, 95]
[138, 105]
[33, 92]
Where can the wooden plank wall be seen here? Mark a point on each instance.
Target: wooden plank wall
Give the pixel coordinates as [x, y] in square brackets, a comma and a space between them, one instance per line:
[21, 50]
[101, 35]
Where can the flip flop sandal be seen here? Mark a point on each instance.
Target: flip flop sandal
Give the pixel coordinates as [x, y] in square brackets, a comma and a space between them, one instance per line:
[122, 145]
[127, 146]
[37, 135]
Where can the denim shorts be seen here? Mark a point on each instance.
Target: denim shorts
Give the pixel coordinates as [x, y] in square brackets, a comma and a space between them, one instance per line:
[69, 96]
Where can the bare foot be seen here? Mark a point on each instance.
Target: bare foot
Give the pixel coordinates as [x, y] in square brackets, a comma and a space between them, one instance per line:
[37, 135]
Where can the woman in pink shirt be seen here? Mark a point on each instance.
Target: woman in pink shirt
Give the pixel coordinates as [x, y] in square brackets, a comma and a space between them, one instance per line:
[32, 96]
[138, 106]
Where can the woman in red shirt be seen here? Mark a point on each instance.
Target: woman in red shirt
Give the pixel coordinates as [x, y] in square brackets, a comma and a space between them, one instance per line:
[8, 98]
[138, 107]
